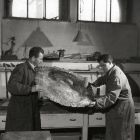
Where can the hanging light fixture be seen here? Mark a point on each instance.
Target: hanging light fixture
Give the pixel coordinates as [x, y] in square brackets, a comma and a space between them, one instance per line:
[81, 37]
[36, 38]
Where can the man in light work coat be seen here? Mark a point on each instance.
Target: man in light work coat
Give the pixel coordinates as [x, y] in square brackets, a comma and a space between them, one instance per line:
[23, 110]
[117, 100]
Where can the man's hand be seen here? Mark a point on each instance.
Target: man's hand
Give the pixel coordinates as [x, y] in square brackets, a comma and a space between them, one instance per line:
[89, 85]
[36, 88]
[92, 104]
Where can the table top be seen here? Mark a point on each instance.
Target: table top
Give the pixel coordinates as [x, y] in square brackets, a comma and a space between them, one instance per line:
[49, 107]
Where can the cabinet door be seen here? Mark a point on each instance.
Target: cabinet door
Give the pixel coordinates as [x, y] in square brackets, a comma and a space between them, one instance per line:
[61, 120]
[2, 122]
[4, 77]
[137, 118]
[97, 120]
[2, 85]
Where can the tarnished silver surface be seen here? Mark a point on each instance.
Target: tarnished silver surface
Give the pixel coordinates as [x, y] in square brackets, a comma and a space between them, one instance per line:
[63, 86]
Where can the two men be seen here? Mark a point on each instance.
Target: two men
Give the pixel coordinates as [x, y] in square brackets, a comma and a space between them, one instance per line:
[23, 112]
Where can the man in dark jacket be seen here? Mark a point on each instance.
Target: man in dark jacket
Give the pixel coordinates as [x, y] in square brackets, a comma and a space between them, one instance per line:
[23, 112]
[117, 101]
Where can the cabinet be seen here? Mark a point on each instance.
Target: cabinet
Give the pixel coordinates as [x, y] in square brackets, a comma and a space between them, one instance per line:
[137, 118]
[97, 120]
[61, 120]
[2, 122]
[69, 120]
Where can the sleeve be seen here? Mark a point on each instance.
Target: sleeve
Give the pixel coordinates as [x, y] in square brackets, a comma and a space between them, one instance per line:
[113, 93]
[15, 84]
[100, 81]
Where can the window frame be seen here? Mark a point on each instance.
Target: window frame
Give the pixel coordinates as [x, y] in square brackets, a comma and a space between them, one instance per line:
[94, 20]
[8, 13]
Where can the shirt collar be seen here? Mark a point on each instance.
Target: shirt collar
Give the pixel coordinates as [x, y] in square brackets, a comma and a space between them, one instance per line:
[32, 66]
[110, 70]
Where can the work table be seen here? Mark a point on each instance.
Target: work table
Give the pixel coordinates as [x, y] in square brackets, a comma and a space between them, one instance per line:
[52, 108]
[55, 116]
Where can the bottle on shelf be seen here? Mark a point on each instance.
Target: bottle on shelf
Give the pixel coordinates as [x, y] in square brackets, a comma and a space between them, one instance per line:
[98, 91]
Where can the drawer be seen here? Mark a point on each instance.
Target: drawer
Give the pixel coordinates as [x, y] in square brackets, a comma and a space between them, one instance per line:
[61, 120]
[137, 118]
[2, 122]
[97, 120]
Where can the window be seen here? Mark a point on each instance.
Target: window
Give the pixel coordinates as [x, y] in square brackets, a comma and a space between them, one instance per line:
[48, 9]
[19, 10]
[52, 9]
[100, 10]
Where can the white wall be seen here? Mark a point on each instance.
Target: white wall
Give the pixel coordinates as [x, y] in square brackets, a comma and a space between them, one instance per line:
[118, 39]
[136, 19]
[121, 40]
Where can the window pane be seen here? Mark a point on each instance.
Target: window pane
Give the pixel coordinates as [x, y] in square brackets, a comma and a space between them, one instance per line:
[100, 10]
[52, 9]
[35, 9]
[115, 11]
[108, 10]
[19, 8]
[86, 10]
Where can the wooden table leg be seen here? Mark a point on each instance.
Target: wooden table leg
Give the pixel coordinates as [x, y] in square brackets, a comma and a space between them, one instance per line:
[85, 127]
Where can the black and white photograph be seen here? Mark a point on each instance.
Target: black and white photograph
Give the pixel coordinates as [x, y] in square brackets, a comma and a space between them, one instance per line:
[69, 70]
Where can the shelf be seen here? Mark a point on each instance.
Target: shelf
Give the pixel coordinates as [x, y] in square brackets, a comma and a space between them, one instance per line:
[86, 71]
[9, 69]
[2, 69]
[132, 72]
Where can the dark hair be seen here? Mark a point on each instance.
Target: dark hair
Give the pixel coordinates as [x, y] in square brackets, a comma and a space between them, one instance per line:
[105, 58]
[35, 52]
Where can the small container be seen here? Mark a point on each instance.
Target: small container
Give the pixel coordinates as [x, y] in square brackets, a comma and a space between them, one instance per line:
[98, 91]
